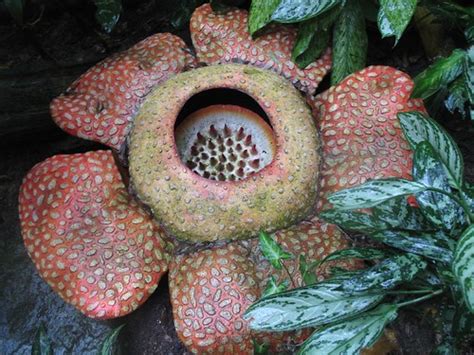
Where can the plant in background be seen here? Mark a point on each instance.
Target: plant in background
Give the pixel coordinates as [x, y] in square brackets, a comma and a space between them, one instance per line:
[107, 13]
[429, 254]
[342, 20]
[42, 343]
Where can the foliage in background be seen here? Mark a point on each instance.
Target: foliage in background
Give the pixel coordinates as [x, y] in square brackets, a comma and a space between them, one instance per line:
[107, 12]
[42, 343]
[429, 254]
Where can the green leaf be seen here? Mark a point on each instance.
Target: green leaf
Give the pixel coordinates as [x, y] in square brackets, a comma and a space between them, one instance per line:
[308, 306]
[272, 287]
[260, 348]
[109, 342]
[463, 266]
[349, 42]
[42, 344]
[373, 193]
[417, 128]
[354, 221]
[394, 16]
[310, 43]
[425, 244]
[307, 270]
[358, 253]
[439, 74]
[457, 97]
[261, 14]
[351, 336]
[385, 275]
[15, 8]
[439, 208]
[273, 252]
[468, 70]
[291, 11]
[398, 214]
[108, 13]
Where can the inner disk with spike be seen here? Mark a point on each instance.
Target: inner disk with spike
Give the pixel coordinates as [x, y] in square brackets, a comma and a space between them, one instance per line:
[225, 142]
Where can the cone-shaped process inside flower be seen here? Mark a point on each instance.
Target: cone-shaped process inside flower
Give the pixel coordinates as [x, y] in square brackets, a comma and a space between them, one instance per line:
[225, 142]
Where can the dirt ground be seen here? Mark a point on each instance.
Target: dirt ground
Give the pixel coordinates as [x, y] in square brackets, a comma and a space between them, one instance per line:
[59, 41]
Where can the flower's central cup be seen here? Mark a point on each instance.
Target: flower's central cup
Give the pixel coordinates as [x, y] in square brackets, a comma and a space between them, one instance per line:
[225, 142]
[224, 172]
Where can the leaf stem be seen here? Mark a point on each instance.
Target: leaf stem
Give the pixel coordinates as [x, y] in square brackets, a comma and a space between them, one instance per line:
[419, 299]
[465, 207]
[410, 292]
[293, 283]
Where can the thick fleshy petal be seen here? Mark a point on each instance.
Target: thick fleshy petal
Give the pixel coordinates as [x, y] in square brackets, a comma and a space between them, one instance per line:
[212, 288]
[101, 104]
[224, 38]
[89, 240]
[360, 132]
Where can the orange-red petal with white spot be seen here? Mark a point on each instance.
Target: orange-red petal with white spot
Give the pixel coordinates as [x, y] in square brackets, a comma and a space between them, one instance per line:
[210, 290]
[360, 132]
[88, 239]
[101, 104]
[224, 38]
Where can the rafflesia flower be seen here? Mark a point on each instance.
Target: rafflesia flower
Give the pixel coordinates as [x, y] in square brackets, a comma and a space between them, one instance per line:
[204, 154]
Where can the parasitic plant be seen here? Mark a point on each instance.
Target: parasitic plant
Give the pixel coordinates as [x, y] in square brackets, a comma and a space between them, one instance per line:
[211, 156]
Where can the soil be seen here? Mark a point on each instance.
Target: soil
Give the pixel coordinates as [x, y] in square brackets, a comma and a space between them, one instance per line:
[58, 41]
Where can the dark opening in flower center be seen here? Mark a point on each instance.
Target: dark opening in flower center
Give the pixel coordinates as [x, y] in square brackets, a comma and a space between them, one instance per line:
[225, 142]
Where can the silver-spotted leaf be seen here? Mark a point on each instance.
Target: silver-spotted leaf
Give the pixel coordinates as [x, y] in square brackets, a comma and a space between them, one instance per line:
[385, 275]
[440, 209]
[418, 127]
[351, 336]
[308, 306]
[291, 11]
[428, 244]
[374, 192]
[463, 265]
[394, 16]
[398, 214]
[358, 253]
[354, 221]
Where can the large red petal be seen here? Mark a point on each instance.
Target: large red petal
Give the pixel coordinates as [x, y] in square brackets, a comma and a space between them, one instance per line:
[361, 136]
[212, 288]
[101, 104]
[89, 240]
[224, 38]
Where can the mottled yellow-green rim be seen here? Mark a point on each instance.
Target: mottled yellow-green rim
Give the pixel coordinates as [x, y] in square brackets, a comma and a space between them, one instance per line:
[197, 209]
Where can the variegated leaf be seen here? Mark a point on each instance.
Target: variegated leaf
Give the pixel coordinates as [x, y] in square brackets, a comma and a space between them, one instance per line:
[439, 209]
[351, 336]
[308, 306]
[358, 253]
[468, 70]
[354, 221]
[463, 265]
[419, 128]
[385, 275]
[291, 11]
[373, 193]
[425, 244]
[397, 213]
